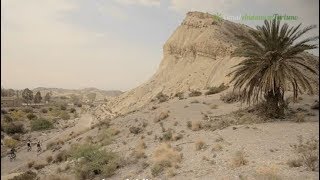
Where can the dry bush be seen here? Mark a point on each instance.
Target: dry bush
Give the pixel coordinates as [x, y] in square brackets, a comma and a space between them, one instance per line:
[135, 130]
[163, 157]
[215, 90]
[167, 136]
[62, 156]
[179, 95]
[39, 166]
[213, 106]
[239, 159]
[58, 177]
[217, 147]
[139, 151]
[189, 124]
[195, 101]
[295, 162]
[29, 175]
[161, 116]
[10, 143]
[13, 127]
[49, 159]
[308, 152]
[30, 164]
[195, 93]
[162, 97]
[199, 145]
[299, 117]
[231, 97]
[177, 137]
[267, 173]
[196, 125]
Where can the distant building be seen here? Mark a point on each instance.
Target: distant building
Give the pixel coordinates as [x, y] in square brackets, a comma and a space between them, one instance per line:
[10, 102]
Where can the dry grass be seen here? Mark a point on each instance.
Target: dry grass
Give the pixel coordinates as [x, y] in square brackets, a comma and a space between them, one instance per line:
[164, 157]
[196, 126]
[268, 173]
[30, 164]
[10, 143]
[139, 151]
[213, 106]
[217, 147]
[195, 101]
[161, 116]
[299, 117]
[295, 162]
[231, 97]
[239, 159]
[199, 145]
[308, 152]
[215, 90]
[195, 93]
[49, 159]
[39, 166]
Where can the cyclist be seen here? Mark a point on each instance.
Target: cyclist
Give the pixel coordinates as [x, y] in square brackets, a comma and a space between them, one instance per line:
[29, 145]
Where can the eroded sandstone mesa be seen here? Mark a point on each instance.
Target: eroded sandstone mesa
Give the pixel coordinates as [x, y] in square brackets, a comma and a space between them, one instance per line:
[196, 56]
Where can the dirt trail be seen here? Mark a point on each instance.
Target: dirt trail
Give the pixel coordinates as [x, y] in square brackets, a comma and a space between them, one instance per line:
[23, 157]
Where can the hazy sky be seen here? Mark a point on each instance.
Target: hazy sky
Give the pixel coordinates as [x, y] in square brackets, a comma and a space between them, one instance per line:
[108, 44]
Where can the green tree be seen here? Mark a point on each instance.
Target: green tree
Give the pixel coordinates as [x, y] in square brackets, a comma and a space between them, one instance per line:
[91, 96]
[274, 61]
[27, 95]
[47, 97]
[37, 97]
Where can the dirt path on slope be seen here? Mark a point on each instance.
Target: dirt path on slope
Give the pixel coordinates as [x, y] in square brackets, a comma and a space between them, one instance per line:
[23, 157]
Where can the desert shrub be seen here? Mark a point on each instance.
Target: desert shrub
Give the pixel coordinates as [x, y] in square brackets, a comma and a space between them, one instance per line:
[94, 161]
[267, 173]
[162, 97]
[50, 108]
[62, 156]
[135, 130]
[177, 137]
[28, 110]
[16, 136]
[41, 124]
[64, 116]
[295, 162]
[39, 166]
[189, 124]
[18, 115]
[29, 175]
[213, 106]
[199, 145]
[139, 151]
[163, 157]
[215, 90]
[217, 147]
[239, 159]
[13, 127]
[161, 116]
[167, 136]
[315, 105]
[179, 95]
[31, 116]
[63, 107]
[79, 105]
[231, 97]
[10, 143]
[195, 101]
[308, 151]
[72, 110]
[12, 109]
[195, 93]
[49, 159]
[7, 118]
[106, 136]
[196, 125]
[30, 164]
[44, 110]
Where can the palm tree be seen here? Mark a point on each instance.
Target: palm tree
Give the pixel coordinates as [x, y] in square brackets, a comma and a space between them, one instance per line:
[273, 63]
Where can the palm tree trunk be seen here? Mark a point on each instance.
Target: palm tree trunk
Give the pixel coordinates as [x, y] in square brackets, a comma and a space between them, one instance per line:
[275, 104]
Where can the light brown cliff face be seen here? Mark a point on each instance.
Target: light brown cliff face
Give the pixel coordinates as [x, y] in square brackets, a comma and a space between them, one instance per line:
[196, 56]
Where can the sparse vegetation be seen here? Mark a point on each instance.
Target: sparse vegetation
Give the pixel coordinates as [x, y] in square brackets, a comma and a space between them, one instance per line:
[41, 124]
[161, 116]
[31, 116]
[139, 151]
[199, 145]
[231, 97]
[164, 157]
[196, 126]
[29, 175]
[267, 173]
[239, 159]
[94, 161]
[307, 152]
[162, 97]
[135, 130]
[215, 90]
[195, 93]
[64, 115]
[10, 143]
[13, 127]
[179, 95]
[62, 156]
